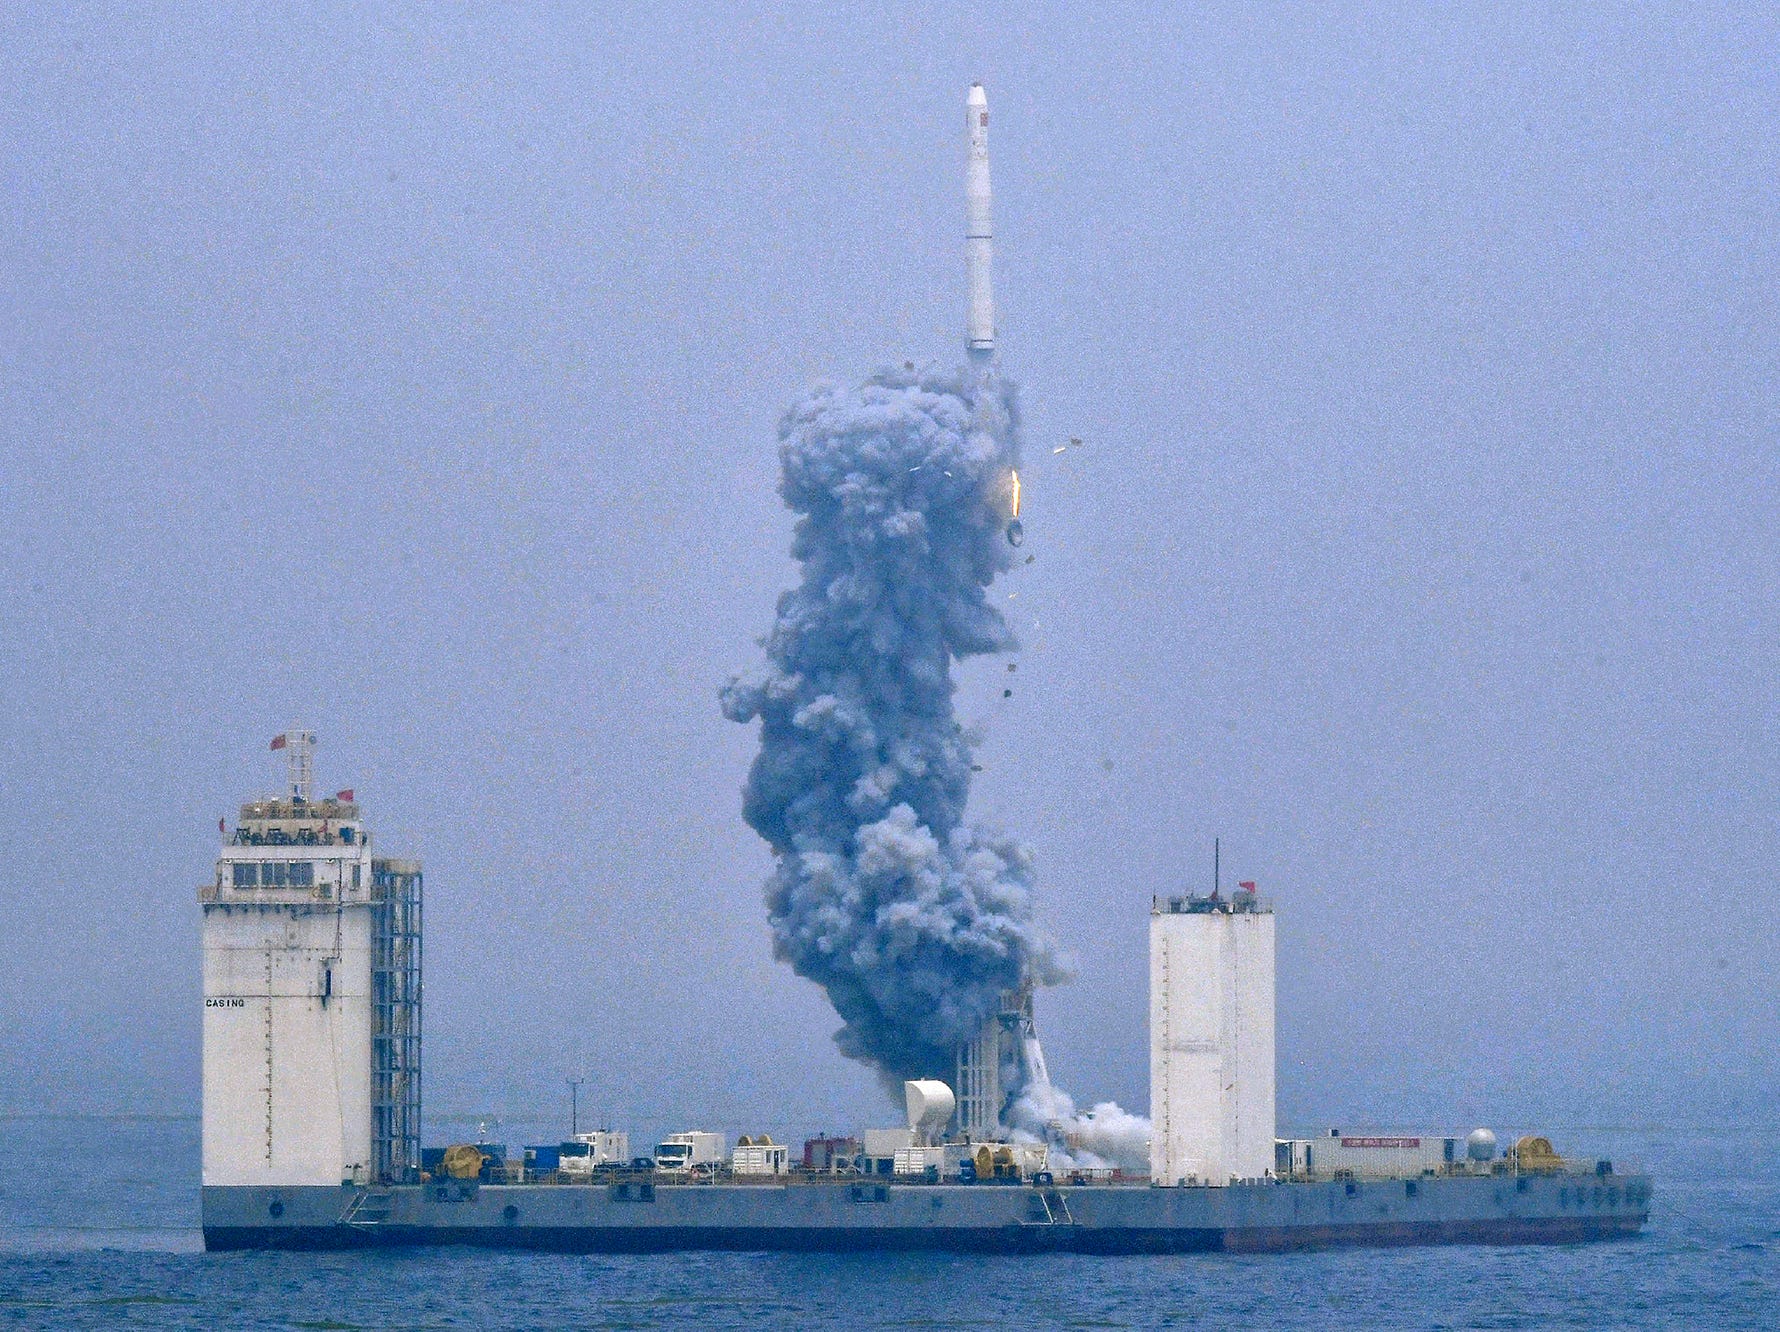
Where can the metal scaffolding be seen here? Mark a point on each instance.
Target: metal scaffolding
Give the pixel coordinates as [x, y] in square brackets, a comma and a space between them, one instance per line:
[395, 1021]
[1007, 1045]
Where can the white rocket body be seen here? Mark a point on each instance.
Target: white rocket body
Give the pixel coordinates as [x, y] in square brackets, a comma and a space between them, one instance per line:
[978, 232]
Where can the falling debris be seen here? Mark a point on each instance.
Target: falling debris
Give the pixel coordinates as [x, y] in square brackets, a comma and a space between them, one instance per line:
[1059, 449]
[1013, 666]
[1074, 442]
[1007, 693]
[1106, 763]
[1031, 558]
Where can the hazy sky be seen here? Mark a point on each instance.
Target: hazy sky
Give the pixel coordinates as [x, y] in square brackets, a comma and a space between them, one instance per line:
[414, 376]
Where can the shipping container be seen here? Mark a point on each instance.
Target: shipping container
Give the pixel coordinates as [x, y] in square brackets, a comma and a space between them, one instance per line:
[1368, 1154]
[829, 1153]
[887, 1142]
[920, 1160]
[760, 1159]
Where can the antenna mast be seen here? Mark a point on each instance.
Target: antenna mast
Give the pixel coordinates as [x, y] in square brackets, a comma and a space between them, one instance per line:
[299, 758]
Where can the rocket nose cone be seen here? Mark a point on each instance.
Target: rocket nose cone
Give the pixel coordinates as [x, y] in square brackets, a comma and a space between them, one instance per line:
[977, 96]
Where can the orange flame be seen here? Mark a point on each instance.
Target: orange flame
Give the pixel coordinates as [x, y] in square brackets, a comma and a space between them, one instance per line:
[1016, 476]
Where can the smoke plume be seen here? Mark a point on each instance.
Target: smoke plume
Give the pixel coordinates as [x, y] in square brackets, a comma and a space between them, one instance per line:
[1106, 1135]
[913, 920]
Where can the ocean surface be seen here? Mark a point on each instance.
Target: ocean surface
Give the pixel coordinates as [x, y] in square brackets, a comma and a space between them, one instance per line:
[98, 1229]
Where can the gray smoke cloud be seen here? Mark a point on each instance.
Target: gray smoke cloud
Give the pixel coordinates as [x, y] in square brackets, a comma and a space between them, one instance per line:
[913, 920]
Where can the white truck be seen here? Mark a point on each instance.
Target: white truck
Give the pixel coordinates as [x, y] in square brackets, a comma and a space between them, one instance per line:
[582, 1153]
[683, 1153]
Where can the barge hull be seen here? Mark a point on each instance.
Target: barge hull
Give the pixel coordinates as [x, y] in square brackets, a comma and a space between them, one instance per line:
[825, 1217]
[572, 1239]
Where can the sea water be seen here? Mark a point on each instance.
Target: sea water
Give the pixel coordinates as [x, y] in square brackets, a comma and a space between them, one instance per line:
[98, 1229]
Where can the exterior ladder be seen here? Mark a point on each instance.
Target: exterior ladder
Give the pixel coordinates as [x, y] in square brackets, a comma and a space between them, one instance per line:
[368, 1208]
[1054, 1206]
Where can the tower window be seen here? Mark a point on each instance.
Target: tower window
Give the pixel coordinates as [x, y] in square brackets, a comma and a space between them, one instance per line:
[272, 874]
[246, 874]
[302, 874]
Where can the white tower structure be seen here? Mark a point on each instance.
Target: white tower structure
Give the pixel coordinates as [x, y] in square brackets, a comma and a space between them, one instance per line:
[1211, 1039]
[311, 996]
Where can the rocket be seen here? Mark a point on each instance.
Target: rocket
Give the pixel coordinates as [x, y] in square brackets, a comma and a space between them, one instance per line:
[978, 231]
[979, 245]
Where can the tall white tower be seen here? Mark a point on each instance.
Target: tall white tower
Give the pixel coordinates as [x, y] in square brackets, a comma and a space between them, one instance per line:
[311, 996]
[1211, 1039]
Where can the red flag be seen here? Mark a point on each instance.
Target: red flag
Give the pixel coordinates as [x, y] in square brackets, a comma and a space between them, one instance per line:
[222, 825]
[1247, 887]
[345, 796]
[278, 743]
